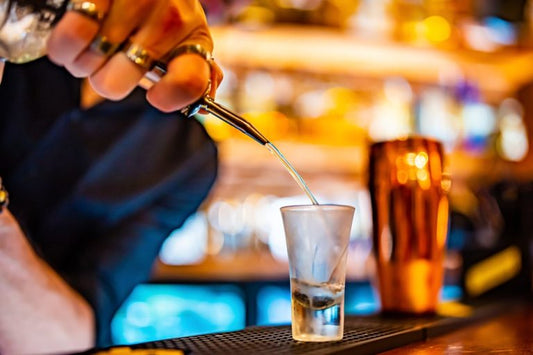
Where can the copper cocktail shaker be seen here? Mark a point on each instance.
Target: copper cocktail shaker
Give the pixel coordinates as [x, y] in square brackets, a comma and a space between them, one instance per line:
[408, 189]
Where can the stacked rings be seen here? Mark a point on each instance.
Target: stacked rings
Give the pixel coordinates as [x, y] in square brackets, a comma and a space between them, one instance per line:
[103, 46]
[138, 55]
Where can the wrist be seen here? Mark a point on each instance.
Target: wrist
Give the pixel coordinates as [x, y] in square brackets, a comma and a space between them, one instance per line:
[13, 243]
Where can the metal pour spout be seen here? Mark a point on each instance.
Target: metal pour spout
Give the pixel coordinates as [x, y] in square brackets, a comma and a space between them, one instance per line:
[208, 104]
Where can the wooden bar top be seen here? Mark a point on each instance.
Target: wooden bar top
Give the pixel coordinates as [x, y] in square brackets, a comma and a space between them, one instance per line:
[509, 333]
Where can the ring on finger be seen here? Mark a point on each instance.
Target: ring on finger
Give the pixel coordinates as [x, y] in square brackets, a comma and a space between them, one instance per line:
[159, 68]
[87, 9]
[191, 48]
[103, 46]
[199, 50]
[139, 55]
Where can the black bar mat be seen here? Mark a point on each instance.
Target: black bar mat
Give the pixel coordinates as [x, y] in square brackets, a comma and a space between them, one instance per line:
[362, 335]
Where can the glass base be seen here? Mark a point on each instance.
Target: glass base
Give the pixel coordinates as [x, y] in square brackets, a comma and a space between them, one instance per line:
[316, 338]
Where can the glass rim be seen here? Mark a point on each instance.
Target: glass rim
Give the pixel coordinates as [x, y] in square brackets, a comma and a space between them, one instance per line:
[310, 207]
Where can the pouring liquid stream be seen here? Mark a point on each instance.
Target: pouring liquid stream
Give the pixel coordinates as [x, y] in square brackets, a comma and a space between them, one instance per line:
[297, 177]
[209, 105]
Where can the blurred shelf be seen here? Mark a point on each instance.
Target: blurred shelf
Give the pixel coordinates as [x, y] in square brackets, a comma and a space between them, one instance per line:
[248, 166]
[242, 266]
[325, 51]
[305, 156]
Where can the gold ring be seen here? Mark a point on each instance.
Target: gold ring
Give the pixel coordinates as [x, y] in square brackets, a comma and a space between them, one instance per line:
[158, 68]
[197, 49]
[87, 9]
[138, 55]
[102, 45]
[191, 48]
[4, 196]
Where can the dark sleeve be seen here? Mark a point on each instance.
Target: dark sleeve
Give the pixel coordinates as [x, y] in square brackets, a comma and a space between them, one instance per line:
[97, 191]
[109, 267]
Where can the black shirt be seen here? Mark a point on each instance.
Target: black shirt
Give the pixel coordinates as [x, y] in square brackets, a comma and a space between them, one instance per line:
[97, 191]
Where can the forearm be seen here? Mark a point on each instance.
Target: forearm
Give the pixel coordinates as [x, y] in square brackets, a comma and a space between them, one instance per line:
[39, 312]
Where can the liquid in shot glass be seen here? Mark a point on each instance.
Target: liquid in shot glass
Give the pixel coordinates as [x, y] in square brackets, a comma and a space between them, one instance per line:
[317, 243]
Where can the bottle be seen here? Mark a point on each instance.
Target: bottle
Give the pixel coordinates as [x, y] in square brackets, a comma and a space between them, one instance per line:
[25, 26]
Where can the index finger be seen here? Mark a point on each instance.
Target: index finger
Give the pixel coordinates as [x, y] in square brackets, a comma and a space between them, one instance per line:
[185, 82]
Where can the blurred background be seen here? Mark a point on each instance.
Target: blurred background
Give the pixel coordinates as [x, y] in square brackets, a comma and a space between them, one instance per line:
[323, 79]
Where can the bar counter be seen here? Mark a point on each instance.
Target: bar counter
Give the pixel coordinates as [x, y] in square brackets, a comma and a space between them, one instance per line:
[495, 327]
[507, 333]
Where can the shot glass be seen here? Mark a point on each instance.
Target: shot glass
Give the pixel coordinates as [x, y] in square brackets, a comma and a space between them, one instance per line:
[317, 243]
[408, 189]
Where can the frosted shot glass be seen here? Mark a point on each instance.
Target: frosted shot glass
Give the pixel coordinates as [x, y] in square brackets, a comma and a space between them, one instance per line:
[317, 239]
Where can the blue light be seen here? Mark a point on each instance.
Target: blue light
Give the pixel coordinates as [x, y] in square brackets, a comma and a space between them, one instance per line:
[273, 305]
[360, 299]
[451, 293]
[154, 312]
[501, 31]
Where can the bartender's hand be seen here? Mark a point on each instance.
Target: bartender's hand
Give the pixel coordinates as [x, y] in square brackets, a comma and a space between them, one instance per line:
[94, 37]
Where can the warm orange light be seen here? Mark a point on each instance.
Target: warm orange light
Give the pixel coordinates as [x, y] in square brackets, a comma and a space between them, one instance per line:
[410, 159]
[421, 160]
[493, 271]
[437, 29]
[217, 129]
[423, 179]
[443, 211]
[402, 176]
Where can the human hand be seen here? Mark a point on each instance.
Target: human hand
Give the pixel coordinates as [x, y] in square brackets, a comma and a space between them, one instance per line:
[87, 42]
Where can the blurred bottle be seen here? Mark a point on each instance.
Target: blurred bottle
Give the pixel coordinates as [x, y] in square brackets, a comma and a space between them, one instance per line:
[429, 22]
[478, 119]
[26, 26]
[374, 19]
[392, 112]
[437, 116]
[329, 13]
[512, 144]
